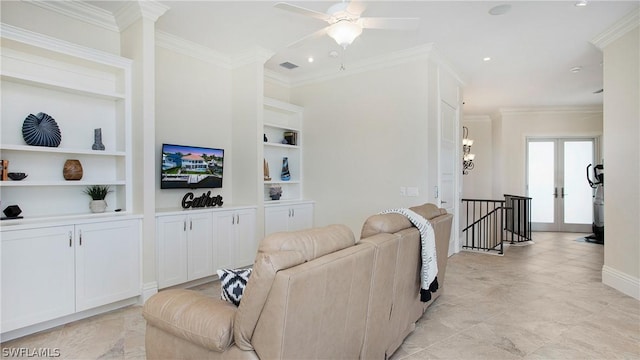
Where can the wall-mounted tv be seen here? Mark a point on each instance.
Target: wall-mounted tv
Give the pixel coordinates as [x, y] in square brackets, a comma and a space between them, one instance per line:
[191, 167]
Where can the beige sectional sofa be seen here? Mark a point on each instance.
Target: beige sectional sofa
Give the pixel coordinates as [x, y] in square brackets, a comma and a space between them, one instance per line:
[313, 294]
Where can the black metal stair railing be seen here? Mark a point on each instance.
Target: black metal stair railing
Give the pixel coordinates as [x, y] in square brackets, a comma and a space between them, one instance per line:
[518, 221]
[485, 221]
[489, 223]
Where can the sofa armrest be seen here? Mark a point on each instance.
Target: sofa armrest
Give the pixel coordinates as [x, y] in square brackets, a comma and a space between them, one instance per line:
[197, 318]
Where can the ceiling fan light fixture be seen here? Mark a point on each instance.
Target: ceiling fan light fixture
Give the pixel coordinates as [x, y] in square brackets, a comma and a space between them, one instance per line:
[344, 32]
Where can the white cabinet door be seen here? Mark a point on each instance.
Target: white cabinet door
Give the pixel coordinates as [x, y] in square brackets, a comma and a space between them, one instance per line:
[235, 237]
[290, 217]
[245, 238]
[107, 263]
[301, 217]
[276, 219]
[37, 275]
[224, 232]
[172, 250]
[199, 246]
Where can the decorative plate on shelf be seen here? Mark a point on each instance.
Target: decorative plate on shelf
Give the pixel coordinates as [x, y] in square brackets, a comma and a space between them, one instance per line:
[41, 130]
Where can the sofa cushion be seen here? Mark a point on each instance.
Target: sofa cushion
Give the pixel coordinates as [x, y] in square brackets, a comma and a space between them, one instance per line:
[232, 284]
[264, 271]
[384, 223]
[428, 211]
[312, 243]
[192, 316]
[393, 223]
[277, 252]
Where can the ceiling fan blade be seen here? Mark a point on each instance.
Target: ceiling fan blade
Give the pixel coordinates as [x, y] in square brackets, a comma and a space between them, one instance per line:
[302, 11]
[356, 7]
[311, 36]
[389, 23]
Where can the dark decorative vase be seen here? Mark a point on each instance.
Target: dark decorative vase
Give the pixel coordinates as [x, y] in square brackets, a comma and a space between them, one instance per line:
[72, 170]
[41, 130]
[285, 175]
[97, 139]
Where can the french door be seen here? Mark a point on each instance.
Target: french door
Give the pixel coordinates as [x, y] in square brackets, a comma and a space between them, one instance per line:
[557, 183]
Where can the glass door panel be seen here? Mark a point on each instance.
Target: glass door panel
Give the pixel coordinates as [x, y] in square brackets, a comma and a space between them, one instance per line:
[541, 180]
[577, 194]
[561, 196]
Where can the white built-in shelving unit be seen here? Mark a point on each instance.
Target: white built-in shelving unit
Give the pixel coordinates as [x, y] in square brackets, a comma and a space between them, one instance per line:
[61, 262]
[291, 211]
[281, 118]
[82, 89]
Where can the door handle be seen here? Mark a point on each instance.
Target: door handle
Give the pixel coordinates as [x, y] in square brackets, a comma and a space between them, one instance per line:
[555, 193]
[443, 202]
[563, 194]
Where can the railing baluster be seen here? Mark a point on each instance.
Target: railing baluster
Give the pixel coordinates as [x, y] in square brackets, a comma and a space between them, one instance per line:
[492, 222]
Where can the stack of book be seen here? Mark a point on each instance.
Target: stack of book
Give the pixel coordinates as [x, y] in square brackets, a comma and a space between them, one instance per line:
[291, 137]
[4, 169]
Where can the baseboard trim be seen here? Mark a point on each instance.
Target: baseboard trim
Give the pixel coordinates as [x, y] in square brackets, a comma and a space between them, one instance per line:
[148, 290]
[620, 281]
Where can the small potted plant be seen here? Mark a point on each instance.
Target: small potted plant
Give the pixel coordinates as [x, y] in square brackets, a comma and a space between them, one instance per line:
[98, 193]
[275, 192]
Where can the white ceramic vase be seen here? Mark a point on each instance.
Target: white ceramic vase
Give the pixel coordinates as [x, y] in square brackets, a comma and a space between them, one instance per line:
[97, 206]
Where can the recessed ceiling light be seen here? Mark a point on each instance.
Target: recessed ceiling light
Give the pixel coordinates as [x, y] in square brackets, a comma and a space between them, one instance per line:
[500, 9]
[581, 3]
[310, 59]
[576, 69]
[487, 58]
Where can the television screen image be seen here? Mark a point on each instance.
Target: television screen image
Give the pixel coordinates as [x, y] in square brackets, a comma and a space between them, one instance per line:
[191, 167]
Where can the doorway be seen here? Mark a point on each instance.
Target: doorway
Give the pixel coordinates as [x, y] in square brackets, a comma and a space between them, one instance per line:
[562, 199]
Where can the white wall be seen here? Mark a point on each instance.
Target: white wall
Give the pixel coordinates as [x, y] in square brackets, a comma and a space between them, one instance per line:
[193, 107]
[621, 268]
[518, 124]
[365, 137]
[477, 184]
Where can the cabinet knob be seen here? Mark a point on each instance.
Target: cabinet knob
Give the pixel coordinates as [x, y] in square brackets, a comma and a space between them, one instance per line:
[80, 236]
[70, 239]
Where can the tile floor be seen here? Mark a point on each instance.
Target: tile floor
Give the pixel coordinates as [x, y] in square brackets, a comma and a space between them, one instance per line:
[540, 301]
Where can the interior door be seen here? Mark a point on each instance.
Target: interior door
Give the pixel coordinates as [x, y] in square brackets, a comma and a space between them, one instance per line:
[557, 184]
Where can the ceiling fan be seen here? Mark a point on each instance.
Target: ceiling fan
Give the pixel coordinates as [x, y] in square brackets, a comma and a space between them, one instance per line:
[345, 22]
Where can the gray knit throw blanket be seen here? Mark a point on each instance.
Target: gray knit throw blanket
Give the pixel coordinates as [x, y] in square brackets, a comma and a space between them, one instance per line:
[429, 269]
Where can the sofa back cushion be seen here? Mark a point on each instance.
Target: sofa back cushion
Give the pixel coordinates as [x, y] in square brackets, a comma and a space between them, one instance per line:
[318, 310]
[392, 223]
[312, 243]
[277, 252]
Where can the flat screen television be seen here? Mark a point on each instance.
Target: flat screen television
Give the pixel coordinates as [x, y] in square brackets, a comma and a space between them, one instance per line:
[191, 167]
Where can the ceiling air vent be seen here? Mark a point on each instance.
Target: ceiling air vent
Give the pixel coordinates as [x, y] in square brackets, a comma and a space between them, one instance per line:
[288, 65]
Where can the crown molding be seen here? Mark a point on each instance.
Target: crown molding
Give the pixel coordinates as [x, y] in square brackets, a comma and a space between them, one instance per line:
[420, 52]
[617, 30]
[596, 109]
[276, 79]
[50, 43]
[80, 10]
[251, 56]
[475, 118]
[191, 49]
[132, 11]
[374, 63]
